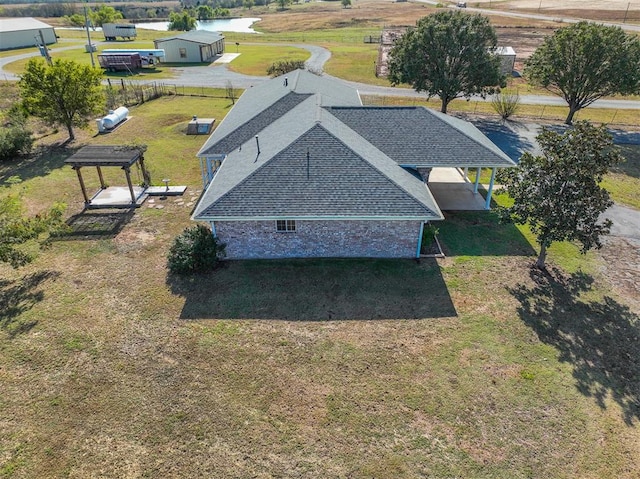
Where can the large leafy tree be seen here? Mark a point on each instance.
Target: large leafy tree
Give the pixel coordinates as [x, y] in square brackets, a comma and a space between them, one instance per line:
[66, 93]
[205, 12]
[449, 55]
[183, 21]
[558, 193]
[15, 229]
[584, 62]
[104, 14]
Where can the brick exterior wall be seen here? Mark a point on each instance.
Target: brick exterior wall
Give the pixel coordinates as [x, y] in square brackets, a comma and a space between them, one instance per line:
[313, 239]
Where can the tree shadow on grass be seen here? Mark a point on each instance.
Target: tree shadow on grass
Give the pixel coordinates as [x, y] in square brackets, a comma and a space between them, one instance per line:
[316, 290]
[480, 233]
[18, 296]
[631, 165]
[601, 339]
[40, 163]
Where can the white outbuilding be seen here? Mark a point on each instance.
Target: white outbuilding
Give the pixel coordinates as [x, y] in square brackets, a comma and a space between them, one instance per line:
[197, 46]
[24, 32]
[508, 59]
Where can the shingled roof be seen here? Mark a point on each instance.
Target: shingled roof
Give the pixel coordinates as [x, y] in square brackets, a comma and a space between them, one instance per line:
[255, 124]
[305, 148]
[343, 177]
[319, 176]
[416, 136]
[263, 104]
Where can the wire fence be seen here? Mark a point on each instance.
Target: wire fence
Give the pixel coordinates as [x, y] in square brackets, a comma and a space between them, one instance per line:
[129, 93]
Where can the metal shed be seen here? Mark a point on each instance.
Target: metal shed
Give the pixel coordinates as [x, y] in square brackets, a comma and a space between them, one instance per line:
[508, 59]
[24, 32]
[197, 46]
[111, 196]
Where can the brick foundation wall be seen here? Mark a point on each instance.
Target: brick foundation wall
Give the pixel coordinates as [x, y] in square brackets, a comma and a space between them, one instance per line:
[313, 239]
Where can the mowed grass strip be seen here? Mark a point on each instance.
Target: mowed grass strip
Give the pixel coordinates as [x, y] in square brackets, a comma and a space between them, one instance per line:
[255, 59]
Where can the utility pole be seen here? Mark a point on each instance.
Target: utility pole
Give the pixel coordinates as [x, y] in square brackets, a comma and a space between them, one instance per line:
[45, 50]
[89, 45]
[625, 13]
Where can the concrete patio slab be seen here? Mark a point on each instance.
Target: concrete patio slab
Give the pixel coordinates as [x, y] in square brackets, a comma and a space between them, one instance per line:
[166, 190]
[452, 192]
[117, 197]
[226, 58]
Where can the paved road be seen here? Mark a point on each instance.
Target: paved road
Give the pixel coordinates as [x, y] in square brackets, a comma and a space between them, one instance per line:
[218, 75]
[535, 16]
[626, 222]
[514, 138]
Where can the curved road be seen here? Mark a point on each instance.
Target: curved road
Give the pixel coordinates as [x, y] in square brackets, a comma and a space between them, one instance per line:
[218, 75]
[626, 220]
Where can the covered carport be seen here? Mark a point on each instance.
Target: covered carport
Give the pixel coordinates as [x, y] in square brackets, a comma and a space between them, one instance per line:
[452, 189]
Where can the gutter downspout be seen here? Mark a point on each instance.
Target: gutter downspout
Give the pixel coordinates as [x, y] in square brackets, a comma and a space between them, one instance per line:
[420, 240]
[213, 229]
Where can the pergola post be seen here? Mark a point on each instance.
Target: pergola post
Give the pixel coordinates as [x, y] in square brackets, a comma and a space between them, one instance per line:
[102, 185]
[84, 189]
[145, 173]
[128, 175]
[477, 182]
[487, 205]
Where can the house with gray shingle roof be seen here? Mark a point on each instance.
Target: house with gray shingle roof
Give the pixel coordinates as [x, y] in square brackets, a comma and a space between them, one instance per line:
[299, 168]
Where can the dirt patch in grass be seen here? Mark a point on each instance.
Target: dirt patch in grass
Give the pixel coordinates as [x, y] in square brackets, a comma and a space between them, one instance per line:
[621, 266]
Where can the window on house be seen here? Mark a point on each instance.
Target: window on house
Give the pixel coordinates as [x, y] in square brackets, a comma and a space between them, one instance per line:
[285, 226]
[183, 53]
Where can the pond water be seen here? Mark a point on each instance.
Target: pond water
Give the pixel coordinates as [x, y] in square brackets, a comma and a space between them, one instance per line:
[241, 25]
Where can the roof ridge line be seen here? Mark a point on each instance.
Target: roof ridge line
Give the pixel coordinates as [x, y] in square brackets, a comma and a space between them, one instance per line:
[391, 163]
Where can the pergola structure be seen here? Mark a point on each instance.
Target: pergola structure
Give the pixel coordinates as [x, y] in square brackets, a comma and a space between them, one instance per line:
[122, 156]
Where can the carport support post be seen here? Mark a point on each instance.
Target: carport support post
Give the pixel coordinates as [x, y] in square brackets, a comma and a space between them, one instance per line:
[84, 189]
[128, 174]
[477, 182]
[487, 205]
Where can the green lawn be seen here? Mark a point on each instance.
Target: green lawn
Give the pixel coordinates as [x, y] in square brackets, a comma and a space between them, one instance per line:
[255, 59]
[624, 181]
[355, 63]
[467, 366]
